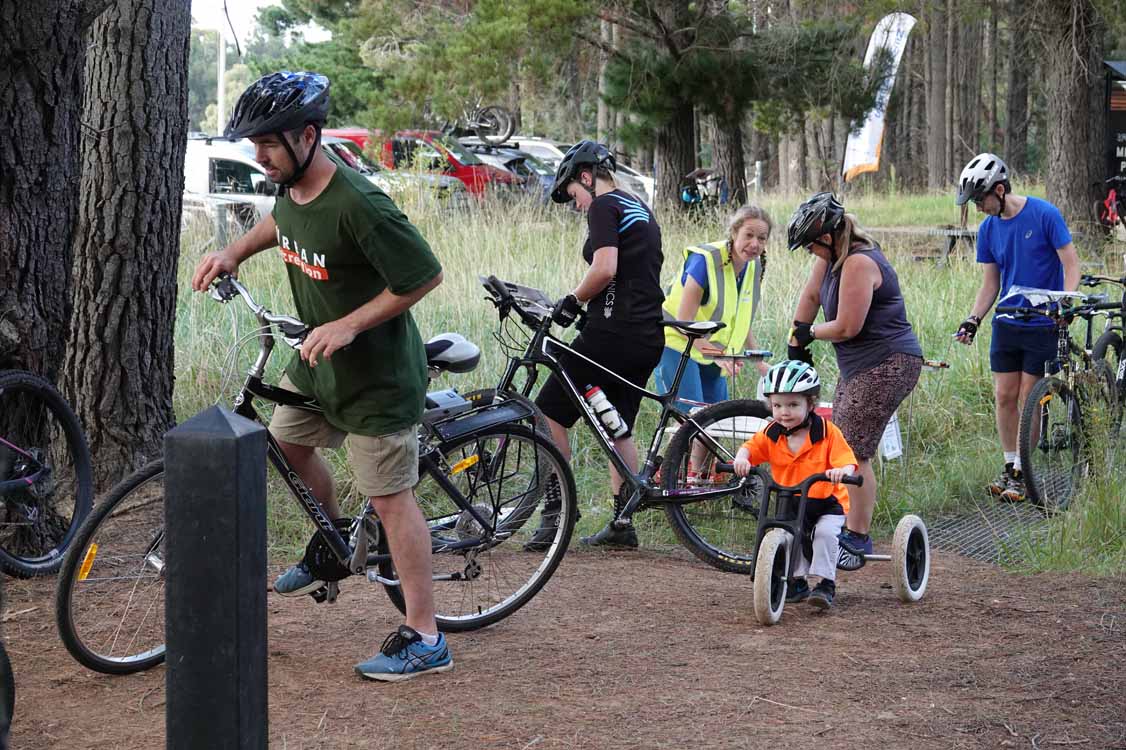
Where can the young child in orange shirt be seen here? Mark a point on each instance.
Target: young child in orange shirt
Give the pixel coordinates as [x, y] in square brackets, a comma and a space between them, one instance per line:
[797, 444]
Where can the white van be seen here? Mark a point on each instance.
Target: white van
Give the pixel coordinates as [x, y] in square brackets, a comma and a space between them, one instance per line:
[221, 172]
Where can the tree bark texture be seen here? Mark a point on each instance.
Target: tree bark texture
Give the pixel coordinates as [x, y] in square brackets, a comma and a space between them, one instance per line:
[1072, 49]
[1016, 98]
[605, 117]
[675, 151]
[120, 358]
[729, 158]
[40, 107]
[937, 175]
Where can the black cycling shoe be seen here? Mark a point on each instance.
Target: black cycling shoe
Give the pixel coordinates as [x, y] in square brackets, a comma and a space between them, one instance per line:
[611, 537]
[822, 595]
[549, 519]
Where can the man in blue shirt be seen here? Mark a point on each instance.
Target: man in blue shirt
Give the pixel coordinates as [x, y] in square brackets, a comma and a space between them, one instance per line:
[1023, 241]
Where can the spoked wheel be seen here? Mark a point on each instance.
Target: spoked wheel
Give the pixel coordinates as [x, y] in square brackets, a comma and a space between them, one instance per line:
[1052, 450]
[911, 559]
[109, 603]
[494, 125]
[490, 562]
[721, 531]
[46, 486]
[770, 576]
[1109, 349]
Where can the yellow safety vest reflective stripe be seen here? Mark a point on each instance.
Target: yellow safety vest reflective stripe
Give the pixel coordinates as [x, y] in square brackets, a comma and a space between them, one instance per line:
[726, 302]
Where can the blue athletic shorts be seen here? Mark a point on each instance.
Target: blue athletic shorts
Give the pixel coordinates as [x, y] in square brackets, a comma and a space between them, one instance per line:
[1017, 348]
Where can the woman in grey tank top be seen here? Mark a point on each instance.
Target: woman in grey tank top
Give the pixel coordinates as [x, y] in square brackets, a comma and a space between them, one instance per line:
[865, 319]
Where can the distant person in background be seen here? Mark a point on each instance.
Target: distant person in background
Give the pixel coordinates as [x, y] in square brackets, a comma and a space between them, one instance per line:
[622, 293]
[1023, 241]
[878, 356]
[719, 281]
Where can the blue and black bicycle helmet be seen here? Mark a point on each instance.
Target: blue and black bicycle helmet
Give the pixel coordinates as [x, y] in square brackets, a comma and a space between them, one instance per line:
[278, 103]
[585, 154]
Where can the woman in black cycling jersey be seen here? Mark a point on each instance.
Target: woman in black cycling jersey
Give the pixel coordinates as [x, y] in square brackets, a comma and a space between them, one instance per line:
[623, 296]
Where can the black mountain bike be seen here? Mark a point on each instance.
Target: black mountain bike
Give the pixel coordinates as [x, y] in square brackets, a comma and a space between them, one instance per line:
[711, 511]
[1109, 346]
[1056, 429]
[483, 476]
[46, 485]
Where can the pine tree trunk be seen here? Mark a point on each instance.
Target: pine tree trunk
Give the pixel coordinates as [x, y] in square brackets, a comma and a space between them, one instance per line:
[990, 70]
[951, 82]
[120, 358]
[729, 159]
[605, 117]
[1073, 64]
[1016, 104]
[937, 175]
[675, 154]
[40, 100]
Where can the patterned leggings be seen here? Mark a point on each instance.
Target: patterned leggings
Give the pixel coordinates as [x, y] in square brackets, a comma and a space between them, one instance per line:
[865, 402]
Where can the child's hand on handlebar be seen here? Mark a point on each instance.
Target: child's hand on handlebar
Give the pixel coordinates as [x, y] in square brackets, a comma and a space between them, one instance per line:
[836, 475]
[742, 467]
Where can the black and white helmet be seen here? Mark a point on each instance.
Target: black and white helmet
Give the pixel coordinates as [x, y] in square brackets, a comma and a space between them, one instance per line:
[584, 154]
[279, 102]
[791, 376]
[821, 214]
[978, 178]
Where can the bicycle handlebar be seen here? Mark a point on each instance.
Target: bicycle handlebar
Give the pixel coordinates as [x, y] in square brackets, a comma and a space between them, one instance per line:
[1093, 280]
[1089, 307]
[854, 479]
[226, 287]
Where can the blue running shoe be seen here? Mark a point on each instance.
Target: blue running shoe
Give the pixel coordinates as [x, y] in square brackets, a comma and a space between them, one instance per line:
[797, 591]
[297, 581]
[823, 594]
[403, 656]
[853, 549]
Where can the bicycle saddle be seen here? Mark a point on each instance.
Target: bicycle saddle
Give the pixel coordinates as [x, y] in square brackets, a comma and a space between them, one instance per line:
[452, 352]
[695, 328]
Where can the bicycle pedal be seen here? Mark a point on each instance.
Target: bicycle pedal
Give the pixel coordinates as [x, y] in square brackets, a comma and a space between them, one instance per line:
[326, 593]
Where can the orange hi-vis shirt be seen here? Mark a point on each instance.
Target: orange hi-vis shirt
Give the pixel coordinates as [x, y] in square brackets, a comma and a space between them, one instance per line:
[825, 448]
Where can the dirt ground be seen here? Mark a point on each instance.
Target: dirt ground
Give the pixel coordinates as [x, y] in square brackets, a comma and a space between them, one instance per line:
[654, 650]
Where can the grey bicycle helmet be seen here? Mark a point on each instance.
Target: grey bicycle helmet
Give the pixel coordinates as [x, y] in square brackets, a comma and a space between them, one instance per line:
[584, 154]
[791, 376]
[821, 214]
[980, 176]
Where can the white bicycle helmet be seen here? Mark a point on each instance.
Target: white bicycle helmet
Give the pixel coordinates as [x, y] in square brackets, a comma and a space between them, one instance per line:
[791, 376]
[980, 175]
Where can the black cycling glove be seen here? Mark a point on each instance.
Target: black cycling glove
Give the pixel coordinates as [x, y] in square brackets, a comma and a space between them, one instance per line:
[566, 310]
[800, 353]
[968, 329]
[802, 333]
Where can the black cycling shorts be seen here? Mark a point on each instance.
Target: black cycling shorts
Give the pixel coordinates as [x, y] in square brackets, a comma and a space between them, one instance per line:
[632, 356]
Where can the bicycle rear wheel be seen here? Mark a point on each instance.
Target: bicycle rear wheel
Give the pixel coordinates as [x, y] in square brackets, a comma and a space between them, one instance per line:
[109, 603]
[1052, 450]
[43, 452]
[494, 124]
[721, 530]
[1108, 348]
[518, 482]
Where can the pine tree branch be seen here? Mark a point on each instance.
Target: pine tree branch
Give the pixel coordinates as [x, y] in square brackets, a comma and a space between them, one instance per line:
[609, 49]
[636, 28]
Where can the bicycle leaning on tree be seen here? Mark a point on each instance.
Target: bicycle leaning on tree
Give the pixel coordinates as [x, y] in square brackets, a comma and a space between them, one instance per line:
[483, 473]
[712, 514]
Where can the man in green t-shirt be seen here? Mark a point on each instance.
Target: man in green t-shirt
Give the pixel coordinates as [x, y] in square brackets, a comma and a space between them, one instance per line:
[356, 265]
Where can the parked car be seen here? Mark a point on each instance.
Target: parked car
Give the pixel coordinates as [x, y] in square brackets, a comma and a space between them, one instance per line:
[449, 190]
[431, 151]
[536, 176]
[218, 171]
[551, 153]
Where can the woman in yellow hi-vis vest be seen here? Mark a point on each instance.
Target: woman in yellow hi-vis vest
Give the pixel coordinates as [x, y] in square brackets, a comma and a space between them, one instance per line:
[719, 281]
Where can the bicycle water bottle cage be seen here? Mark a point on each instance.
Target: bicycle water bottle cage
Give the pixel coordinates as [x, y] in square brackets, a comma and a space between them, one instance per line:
[320, 558]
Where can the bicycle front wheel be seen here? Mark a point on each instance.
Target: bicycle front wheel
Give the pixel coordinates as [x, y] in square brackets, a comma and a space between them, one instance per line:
[721, 530]
[1108, 348]
[519, 485]
[109, 603]
[494, 125]
[45, 468]
[1052, 447]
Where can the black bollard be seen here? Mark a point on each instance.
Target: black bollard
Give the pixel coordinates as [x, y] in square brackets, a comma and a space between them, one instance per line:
[215, 599]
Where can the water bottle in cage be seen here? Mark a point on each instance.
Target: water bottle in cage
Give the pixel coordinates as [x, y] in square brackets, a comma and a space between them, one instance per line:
[606, 412]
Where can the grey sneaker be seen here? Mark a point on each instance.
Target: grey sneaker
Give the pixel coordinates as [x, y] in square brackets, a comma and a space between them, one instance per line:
[1014, 487]
[797, 591]
[297, 581]
[611, 537]
[823, 594]
[998, 485]
[403, 656]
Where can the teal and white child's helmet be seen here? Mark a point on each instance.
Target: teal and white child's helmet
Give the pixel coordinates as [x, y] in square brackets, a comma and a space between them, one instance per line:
[791, 376]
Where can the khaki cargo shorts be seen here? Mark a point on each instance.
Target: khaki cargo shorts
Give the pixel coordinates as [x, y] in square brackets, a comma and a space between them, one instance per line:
[382, 465]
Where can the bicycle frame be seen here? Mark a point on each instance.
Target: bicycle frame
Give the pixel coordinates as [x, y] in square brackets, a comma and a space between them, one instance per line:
[357, 558]
[642, 492]
[10, 485]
